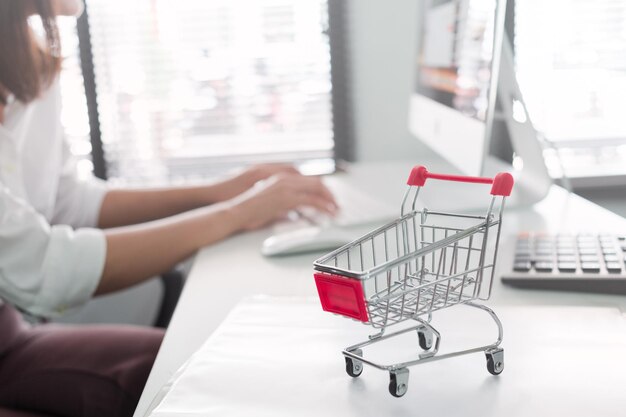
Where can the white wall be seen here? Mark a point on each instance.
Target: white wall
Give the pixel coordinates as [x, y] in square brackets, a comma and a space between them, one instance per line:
[383, 38]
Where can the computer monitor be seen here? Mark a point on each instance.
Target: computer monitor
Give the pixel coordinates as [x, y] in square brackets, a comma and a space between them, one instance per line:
[464, 66]
[453, 101]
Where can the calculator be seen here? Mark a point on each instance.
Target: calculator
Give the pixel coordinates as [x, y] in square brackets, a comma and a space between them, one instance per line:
[582, 262]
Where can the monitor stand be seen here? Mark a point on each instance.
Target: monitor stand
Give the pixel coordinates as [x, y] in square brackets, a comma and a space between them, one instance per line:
[532, 181]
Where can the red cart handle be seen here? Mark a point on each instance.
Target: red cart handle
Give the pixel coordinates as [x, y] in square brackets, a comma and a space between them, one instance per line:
[502, 182]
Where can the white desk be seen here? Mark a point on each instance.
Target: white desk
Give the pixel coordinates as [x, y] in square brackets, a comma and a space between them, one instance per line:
[226, 272]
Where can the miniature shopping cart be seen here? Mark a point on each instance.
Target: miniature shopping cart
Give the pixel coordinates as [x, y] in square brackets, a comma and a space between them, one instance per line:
[422, 262]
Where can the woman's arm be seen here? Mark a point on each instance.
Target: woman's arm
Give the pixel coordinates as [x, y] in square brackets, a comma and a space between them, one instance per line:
[127, 207]
[136, 253]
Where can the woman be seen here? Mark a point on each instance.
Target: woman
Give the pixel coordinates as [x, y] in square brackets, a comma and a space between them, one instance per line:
[63, 241]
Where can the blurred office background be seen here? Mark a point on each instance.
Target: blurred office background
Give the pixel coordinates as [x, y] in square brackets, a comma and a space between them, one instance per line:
[180, 91]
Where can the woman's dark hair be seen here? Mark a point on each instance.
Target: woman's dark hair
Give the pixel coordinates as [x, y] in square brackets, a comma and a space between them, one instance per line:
[28, 65]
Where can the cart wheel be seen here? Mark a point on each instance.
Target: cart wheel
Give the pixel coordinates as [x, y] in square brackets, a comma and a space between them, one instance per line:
[495, 361]
[354, 367]
[398, 382]
[425, 337]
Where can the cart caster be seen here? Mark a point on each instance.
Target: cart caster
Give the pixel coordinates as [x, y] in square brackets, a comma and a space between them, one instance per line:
[354, 367]
[425, 336]
[398, 382]
[495, 361]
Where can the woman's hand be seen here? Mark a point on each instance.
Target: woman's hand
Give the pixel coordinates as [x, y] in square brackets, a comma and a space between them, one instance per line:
[261, 172]
[242, 182]
[274, 197]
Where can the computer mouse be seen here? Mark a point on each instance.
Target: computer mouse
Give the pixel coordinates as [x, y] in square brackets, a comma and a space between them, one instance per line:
[307, 239]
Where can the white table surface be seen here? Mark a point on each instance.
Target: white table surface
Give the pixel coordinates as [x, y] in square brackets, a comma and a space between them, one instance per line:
[225, 273]
[279, 357]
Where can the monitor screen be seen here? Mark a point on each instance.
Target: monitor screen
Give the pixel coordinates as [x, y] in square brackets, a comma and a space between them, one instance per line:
[452, 104]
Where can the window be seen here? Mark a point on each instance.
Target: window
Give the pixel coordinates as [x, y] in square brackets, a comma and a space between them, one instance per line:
[74, 116]
[571, 64]
[187, 88]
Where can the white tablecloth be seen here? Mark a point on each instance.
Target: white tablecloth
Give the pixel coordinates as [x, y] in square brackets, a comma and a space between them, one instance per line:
[281, 357]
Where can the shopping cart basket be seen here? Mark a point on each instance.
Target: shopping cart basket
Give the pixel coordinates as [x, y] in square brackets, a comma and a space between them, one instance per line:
[421, 262]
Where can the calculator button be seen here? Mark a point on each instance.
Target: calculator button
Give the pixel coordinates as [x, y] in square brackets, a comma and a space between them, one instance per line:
[611, 258]
[610, 251]
[565, 251]
[587, 251]
[542, 259]
[543, 266]
[585, 244]
[590, 266]
[521, 266]
[567, 258]
[614, 267]
[567, 266]
[589, 258]
[544, 245]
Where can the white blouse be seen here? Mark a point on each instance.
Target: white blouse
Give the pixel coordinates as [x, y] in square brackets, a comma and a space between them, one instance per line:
[46, 265]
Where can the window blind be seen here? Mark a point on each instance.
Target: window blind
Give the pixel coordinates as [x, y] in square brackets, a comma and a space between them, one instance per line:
[74, 117]
[185, 89]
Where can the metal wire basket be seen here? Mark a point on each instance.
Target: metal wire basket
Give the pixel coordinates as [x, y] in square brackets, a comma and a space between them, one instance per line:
[409, 268]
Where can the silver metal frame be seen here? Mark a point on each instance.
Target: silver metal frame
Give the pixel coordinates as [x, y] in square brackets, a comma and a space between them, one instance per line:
[424, 267]
[429, 355]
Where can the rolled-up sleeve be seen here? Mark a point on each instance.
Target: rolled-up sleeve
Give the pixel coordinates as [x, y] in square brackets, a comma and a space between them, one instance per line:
[78, 201]
[45, 269]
